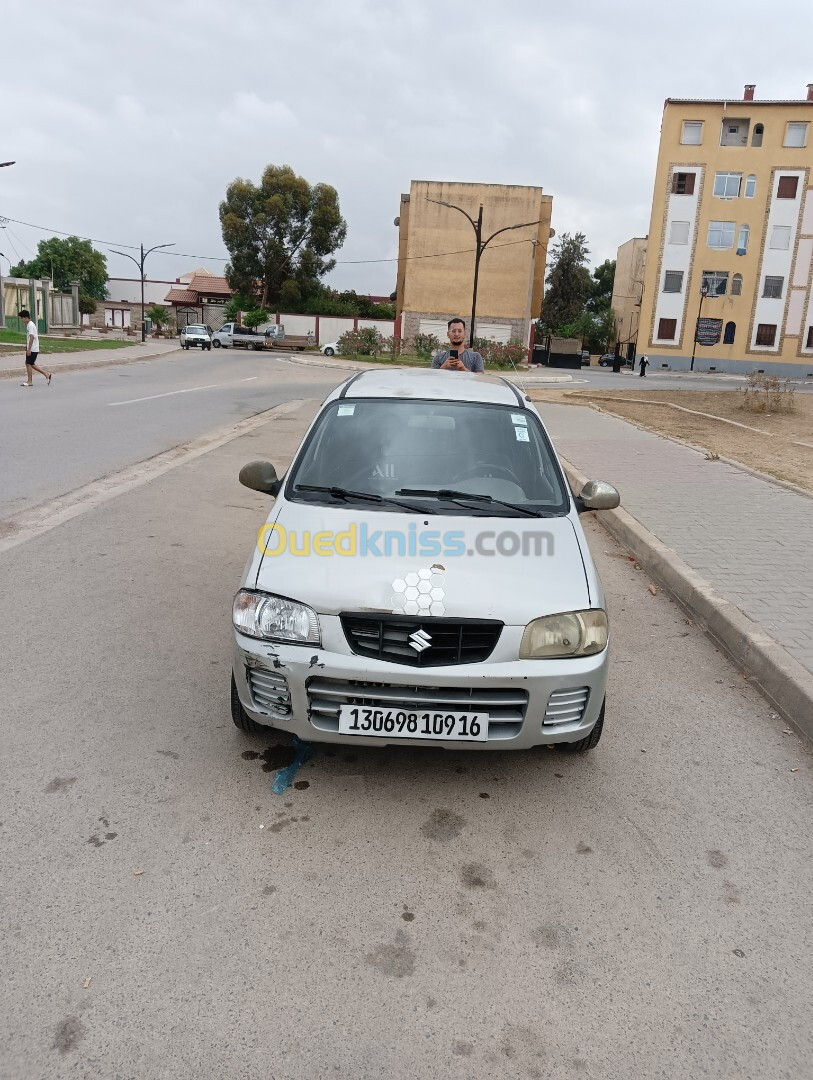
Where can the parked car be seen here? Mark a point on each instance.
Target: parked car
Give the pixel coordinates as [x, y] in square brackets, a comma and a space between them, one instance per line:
[464, 608]
[231, 335]
[277, 338]
[194, 337]
[331, 349]
[585, 358]
[607, 360]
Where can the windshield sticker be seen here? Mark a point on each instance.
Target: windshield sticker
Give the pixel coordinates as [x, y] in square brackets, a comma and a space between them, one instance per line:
[521, 434]
[346, 410]
[519, 418]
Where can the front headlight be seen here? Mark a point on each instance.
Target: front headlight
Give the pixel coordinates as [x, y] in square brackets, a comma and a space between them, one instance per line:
[575, 633]
[273, 618]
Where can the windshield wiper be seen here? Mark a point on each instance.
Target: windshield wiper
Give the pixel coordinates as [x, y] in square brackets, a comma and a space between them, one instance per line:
[368, 496]
[454, 496]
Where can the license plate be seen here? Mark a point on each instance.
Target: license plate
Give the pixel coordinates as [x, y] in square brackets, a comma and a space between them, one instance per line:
[400, 724]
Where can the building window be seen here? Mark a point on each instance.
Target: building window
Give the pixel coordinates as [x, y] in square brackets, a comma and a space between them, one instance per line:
[683, 183]
[692, 134]
[743, 238]
[727, 185]
[667, 329]
[772, 287]
[786, 188]
[679, 232]
[766, 333]
[759, 131]
[736, 285]
[734, 133]
[809, 342]
[716, 282]
[721, 234]
[730, 331]
[796, 135]
[673, 281]
[780, 237]
[750, 187]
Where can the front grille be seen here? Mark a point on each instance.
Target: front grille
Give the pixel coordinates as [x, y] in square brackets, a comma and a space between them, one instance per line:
[505, 708]
[441, 642]
[269, 692]
[566, 706]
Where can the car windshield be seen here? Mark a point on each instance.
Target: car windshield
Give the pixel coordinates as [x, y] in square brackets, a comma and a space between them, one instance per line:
[444, 451]
[196, 329]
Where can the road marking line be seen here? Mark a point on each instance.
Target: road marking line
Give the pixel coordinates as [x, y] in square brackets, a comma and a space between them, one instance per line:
[32, 523]
[253, 378]
[152, 397]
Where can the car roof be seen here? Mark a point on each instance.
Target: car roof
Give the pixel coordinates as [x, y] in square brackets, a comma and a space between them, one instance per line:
[430, 384]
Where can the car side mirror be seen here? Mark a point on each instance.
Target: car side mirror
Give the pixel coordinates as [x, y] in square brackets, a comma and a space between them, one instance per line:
[260, 476]
[597, 495]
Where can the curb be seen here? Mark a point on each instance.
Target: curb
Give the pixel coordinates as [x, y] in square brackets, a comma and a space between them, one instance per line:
[86, 365]
[532, 380]
[786, 684]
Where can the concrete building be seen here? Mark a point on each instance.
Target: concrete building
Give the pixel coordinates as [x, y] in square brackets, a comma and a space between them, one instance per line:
[628, 286]
[436, 259]
[732, 215]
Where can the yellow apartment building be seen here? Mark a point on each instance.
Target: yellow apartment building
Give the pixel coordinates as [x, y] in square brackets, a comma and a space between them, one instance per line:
[628, 286]
[730, 246]
[436, 258]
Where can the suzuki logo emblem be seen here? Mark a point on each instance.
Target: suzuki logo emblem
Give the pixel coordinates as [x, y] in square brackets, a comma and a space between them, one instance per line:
[420, 640]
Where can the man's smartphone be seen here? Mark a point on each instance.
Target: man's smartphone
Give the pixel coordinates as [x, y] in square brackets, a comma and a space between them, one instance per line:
[454, 354]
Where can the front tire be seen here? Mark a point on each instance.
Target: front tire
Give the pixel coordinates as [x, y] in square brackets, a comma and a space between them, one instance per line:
[330, 352]
[239, 715]
[216, 344]
[589, 742]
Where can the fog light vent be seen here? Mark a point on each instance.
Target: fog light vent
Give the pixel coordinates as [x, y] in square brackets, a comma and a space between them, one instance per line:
[566, 706]
[269, 691]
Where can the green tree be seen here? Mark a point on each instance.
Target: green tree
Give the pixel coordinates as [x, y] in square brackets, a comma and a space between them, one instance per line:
[569, 283]
[158, 315]
[601, 293]
[279, 235]
[68, 259]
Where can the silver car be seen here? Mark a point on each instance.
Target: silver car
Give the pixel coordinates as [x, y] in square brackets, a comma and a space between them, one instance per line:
[423, 577]
[196, 336]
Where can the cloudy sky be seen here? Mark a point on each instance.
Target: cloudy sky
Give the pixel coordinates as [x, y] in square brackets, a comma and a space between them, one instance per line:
[127, 121]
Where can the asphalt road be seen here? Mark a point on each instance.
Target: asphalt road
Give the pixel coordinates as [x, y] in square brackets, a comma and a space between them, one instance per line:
[640, 912]
[88, 424]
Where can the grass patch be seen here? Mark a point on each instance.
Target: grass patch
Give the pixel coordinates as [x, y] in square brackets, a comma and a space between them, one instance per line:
[61, 345]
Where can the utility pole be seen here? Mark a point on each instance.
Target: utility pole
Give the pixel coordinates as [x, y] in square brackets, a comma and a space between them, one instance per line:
[140, 264]
[478, 251]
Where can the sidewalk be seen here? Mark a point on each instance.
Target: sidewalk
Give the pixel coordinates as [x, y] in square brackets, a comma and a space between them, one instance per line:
[748, 538]
[12, 364]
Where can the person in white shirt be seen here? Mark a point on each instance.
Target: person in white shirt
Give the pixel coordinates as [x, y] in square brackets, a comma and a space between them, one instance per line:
[32, 349]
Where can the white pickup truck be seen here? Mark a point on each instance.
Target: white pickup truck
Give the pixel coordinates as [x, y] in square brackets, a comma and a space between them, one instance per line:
[230, 334]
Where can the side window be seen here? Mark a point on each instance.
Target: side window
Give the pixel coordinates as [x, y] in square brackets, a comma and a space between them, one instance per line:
[750, 187]
[730, 331]
[787, 187]
[736, 285]
[667, 329]
[742, 239]
[759, 131]
[683, 183]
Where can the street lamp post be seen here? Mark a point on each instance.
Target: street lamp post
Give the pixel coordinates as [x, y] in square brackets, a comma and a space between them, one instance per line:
[704, 292]
[140, 265]
[478, 251]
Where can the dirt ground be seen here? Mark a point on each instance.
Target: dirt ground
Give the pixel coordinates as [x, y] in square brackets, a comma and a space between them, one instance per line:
[772, 448]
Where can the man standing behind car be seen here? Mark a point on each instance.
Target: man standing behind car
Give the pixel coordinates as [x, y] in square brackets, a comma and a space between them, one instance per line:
[457, 358]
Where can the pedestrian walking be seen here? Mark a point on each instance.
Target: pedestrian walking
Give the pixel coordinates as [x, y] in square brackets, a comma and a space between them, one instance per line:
[643, 364]
[32, 349]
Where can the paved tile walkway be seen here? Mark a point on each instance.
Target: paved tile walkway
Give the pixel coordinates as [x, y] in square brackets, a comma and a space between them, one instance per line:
[752, 540]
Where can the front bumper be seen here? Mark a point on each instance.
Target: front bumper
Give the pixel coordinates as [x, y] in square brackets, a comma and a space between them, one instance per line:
[300, 688]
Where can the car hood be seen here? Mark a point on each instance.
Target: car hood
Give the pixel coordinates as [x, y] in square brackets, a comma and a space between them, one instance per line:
[456, 562]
